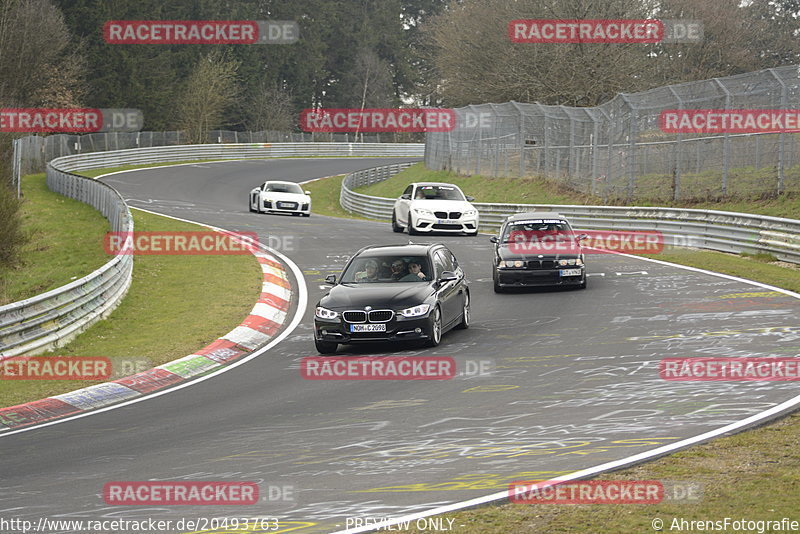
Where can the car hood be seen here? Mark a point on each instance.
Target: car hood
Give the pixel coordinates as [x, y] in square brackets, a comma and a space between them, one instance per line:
[284, 197]
[511, 251]
[443, 205]
[395, 295]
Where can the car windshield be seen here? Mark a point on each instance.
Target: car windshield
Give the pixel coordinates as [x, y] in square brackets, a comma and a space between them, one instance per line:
[538, 231]
[387, 269]
[282, 188]
[438, 192]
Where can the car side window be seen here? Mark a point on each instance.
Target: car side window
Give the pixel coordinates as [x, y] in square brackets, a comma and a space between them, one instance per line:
[446, 260]
[408, 190]
[439, 264]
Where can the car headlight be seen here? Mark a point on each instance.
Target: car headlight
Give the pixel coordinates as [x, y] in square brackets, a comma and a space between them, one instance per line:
[415, 311]
[325, 313]
[512, 264]
[470, 213]
[579, 262]
[421, 211]
[571, 261]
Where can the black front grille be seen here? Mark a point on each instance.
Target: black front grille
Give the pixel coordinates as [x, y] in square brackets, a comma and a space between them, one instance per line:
[440, 214]
[447, 226]
[355, 316]
[455, 214]
[541, 264]
[380, 316]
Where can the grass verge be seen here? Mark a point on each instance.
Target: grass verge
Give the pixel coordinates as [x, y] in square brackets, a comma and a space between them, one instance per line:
[175, 305]
[325, 197]
[62, 234]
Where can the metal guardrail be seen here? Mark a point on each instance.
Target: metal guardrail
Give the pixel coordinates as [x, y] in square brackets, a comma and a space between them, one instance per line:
[51, 319]
[164, 154]
[715, 230]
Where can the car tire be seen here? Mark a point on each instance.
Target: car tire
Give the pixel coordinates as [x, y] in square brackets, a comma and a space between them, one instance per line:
[250, 205]
[465, 314]
[498, 288]
[325, 347]
[411, 229]
[436, 328]
[395, 227]
[306, 214]
[583, 284]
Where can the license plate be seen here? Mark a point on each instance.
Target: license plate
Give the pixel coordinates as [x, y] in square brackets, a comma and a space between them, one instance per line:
[570, 272]
[368, 328]
[287, 205]
[444, 221]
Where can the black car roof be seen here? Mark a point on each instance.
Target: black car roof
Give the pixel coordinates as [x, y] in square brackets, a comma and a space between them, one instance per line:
[411, 249]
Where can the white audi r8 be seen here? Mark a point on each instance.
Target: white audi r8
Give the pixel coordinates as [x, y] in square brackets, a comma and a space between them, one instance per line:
[434, 207]
[280, 197]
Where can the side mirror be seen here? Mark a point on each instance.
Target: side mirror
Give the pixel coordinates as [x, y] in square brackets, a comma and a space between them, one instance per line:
[581, 237]
[493, 239]
[406, 196]
[448, 276]
[470, 199]
[307, 193]
[330, 279]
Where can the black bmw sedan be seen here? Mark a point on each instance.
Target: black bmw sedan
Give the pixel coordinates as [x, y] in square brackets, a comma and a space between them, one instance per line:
[393, 293]
[537, 249]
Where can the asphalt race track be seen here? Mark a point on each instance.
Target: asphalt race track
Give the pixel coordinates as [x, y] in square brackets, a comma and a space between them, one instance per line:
[575, 382]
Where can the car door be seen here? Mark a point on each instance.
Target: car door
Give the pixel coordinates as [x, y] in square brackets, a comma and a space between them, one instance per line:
[450, 293]
[402, 205]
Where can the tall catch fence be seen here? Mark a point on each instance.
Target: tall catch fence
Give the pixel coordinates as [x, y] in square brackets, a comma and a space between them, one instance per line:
[617, 150]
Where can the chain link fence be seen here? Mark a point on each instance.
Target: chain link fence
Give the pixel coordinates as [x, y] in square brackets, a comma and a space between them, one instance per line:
[32, 153]
[617, 150]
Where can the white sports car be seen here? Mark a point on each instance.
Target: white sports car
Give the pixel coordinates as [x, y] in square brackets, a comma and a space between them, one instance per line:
[280, 197]
[434, 207]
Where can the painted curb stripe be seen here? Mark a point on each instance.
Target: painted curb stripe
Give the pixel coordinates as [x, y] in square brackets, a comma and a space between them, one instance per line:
[264, 322]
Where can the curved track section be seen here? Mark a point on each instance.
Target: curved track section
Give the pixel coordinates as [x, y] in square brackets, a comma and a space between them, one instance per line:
[575, 384]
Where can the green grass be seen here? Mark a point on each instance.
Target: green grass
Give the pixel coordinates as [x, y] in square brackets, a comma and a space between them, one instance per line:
[536, 190]
[176, 304]
[64, 242]
[325, 197]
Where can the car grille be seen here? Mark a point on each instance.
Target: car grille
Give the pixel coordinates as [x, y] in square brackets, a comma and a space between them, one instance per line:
[355, 316]
[380, 316]
[446, 227]
[541, 264]
[445, 215]
[287, 205]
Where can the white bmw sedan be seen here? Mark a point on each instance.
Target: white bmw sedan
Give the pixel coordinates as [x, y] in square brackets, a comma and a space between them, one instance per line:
[427, 207]
[280, 197]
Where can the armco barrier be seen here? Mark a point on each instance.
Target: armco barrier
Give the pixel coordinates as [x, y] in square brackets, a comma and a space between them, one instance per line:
[715, 230]
[51, 319]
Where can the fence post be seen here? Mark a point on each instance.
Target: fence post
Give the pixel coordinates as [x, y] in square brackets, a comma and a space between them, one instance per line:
[595, 153]
[678, 151]
[726, 143]
[632, 136]
[782, 142]
[520, 138]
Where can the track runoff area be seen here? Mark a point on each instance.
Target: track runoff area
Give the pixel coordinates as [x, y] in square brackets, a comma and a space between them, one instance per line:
[547, 383]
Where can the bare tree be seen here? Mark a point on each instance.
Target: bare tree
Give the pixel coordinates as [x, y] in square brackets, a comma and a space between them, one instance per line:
[369, 82]
[270, 107]
[210, 91]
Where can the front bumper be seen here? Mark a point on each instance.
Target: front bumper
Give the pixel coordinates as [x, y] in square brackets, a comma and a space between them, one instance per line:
[427, 223]
[285, 207]
[398, 329]
[537, 277]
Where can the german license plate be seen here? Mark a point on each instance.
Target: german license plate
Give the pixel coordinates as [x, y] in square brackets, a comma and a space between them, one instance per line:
[570, 272]
[368, 328]
[443, 221]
